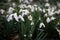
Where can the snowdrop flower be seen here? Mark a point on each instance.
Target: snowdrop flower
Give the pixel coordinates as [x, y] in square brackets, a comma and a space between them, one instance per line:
[30, 35]
[30, 17]
[26, 1]
[58, 30]
[30, 0]
[47, 4]
[20, 10]
[9, 0]
[24, 12]
[45, 14]
[53, 8]
[58, 4]
[32, 9]
[10, 10]
[16, 17]
[22, 6]
[20, 17]
[39, 18]
[44, 10]
[50, 13]
[25, 35]
[36, 8]
[29, 6]
[2, 11]
[32, 23]
[56, 12]
[59, 11]
[48, 20]
[10, 18]
[39, 9]
[52, 18]
[21, 1]
[13, 4]
[35, 5]
[41, 24]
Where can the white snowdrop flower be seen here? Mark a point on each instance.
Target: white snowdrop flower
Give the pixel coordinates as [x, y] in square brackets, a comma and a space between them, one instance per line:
[59, 11]
[29, 6]
[32, 23]
[10, 18]
[30, 17]
[13, 4]
[56, 12]
[39, 18]
[52, 9]
[35, 5]
[25, 12]
[20, 17]
[10, 10]
[41, 24]
[39, 9]
[52, 18]
[30, 0]
[26, 1]
[44, 10]
[22, 6]
[58, 30]
[30, 35]
[48, 20]
[16, 17]
[49, 9]
[20, 10]
[36, 8]
[2, 11]
[9, 0]
[58, 4]
[21, 1]
[47, 4]
[45, 14]
[32, 9]
[25, 35]
[51, 13]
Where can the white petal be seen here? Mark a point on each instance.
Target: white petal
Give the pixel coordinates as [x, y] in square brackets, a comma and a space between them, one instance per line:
[10, 10]
[32, 23]
[32, 9]
[41, 24]
[47, 4]
[10, 18]
[16, 17]
[48, 20]
[52, 18]
[2, 11]
[39, 9]
[30, 17]
[26, 1]
[25, 35]
[29, 6]
[46, 15]
[44, 10]
[21, 17]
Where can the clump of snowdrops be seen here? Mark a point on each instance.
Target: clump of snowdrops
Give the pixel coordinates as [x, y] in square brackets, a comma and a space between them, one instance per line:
[30, 21]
